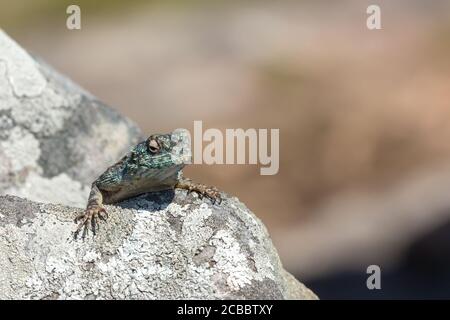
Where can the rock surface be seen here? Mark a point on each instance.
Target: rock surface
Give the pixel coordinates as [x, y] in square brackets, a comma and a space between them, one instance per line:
[54, 136]
[157, 246]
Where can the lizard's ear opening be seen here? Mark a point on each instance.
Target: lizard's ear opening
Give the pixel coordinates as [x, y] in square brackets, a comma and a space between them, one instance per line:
[153, 145]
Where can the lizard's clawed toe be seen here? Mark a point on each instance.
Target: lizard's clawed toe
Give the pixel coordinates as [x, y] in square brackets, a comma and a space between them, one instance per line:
[209, 192]
[214, 195]
[89, 217]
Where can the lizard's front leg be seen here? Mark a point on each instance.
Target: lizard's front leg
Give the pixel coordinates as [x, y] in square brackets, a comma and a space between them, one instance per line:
[202, 190]
[93, 211]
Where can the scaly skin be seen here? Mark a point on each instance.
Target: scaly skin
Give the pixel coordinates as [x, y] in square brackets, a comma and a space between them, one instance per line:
[153, 165]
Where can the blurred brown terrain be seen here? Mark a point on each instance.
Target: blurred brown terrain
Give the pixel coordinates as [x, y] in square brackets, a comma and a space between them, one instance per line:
[364, 116]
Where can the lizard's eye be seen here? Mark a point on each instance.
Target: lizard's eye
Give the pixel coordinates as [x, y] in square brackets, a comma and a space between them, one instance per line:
[153, 146]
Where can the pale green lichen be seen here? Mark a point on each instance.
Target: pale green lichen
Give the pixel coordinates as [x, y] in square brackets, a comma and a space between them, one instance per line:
[149, 260]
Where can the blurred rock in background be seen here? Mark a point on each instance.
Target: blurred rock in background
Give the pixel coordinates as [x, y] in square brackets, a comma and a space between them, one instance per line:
[55, 138]
[364, 116]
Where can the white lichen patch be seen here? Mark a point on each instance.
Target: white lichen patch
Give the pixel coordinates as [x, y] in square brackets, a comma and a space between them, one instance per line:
[15, 265]
[21, 150]
[194, 232]
[91, 256]
[61, 189]
[231, 261]
[55, 258]
[46, 113]
[179, 251]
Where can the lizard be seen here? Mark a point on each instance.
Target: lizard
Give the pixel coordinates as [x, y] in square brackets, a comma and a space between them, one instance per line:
[154, 164]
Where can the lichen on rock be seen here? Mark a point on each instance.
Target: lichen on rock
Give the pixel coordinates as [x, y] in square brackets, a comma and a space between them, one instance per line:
[156, 246]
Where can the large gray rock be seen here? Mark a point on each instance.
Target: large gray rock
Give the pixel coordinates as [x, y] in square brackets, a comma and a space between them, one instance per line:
[55, 138]
[156, 246]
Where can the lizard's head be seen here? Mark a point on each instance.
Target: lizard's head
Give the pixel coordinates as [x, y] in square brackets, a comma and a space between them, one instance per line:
[169, 150]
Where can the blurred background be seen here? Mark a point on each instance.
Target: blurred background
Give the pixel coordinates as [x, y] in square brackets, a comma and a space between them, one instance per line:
[364, 117]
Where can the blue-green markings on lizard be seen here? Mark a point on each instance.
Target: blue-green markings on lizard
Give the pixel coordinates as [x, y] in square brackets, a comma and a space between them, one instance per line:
[152, 165]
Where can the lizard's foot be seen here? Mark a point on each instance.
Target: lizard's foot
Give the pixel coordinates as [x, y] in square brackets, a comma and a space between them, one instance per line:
[202, 190]
[89, 217]
[205, 191]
